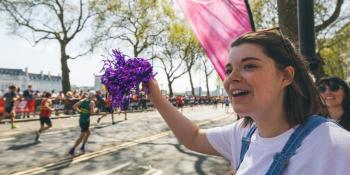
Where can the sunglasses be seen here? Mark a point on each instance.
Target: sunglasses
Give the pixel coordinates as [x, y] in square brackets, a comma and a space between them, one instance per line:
[332, 87]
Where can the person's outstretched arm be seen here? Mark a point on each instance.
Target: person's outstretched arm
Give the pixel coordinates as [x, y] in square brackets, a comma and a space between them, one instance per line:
[184, 129]
[92, 107]
[76, 106]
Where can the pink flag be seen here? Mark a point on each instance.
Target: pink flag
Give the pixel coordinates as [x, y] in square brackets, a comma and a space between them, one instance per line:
[217, 23]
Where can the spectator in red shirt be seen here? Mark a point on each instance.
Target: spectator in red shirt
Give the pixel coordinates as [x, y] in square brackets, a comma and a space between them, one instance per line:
[28, 95]
[180, 102]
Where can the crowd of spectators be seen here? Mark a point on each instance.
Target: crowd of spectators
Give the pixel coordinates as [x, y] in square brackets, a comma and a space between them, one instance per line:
[28, 101]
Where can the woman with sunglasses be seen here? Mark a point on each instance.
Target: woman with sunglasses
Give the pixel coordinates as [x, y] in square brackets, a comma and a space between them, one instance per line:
[336, 96]
[278, 132]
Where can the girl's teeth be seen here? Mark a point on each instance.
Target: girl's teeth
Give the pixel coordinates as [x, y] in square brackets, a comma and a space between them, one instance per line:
[237, 92]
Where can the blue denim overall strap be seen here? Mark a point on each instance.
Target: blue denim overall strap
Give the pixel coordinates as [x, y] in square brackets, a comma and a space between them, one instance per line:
[280, 160]
[245, 144]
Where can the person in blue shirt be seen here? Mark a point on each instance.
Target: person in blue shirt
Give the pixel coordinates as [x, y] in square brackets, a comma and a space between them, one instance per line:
[10, 98]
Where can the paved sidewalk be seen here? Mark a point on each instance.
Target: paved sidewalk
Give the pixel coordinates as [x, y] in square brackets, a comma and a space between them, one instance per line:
[36, 117]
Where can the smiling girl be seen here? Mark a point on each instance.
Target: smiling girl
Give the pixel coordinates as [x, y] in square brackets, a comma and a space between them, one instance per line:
[281, 129]
[336, 95]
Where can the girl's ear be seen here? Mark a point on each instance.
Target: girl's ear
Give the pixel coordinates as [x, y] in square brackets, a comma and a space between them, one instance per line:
[288, 76]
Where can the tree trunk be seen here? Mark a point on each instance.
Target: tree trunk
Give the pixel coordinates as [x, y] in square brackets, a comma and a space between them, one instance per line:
[288, 19]
[65, 69]
[136, 54]
[207, 85]
[171, 94]
[191, 82]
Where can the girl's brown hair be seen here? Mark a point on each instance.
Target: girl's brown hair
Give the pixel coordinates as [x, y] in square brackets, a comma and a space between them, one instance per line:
[301, 99]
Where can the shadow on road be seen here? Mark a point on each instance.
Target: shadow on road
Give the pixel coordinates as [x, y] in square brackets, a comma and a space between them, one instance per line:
[200, 157]
[101, 126]
[18, 147]
[60, 167]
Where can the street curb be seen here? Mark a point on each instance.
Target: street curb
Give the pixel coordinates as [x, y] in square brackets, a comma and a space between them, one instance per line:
[33, 119]
[36, 118]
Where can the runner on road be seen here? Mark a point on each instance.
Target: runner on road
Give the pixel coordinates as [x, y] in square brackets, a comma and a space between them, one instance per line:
[109, 109]
[45, 114]
[10, 98]
[85, 107]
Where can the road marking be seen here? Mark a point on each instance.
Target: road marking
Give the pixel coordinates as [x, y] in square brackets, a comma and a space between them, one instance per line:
[108, 172]
[7, 139]
[10, 133]
[153, 171]
[54, 132]
[71, 161]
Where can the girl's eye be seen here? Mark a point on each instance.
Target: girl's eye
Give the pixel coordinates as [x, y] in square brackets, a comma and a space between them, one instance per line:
[249, 66]
[228, 71]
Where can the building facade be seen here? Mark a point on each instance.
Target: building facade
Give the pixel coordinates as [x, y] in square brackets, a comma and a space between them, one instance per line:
[97, 82]
[18, 77]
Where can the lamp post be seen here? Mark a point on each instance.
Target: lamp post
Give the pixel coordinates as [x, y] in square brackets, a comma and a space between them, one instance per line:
[306, 33]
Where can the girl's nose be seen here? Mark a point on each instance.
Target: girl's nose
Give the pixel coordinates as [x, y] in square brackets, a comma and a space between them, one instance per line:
[235, 75]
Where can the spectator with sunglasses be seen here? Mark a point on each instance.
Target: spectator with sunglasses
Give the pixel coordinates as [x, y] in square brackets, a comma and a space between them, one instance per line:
[282, 128]
[336, 96]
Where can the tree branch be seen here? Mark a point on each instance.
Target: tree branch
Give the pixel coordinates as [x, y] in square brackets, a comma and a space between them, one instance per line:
[79, 55]
[332, 18]
[21, 21]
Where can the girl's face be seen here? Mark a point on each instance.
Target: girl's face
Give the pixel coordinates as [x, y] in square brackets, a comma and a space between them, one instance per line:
[332, 94]
[253, 83]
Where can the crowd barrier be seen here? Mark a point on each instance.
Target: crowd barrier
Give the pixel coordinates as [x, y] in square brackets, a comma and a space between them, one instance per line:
[2, 106]
[66, 105]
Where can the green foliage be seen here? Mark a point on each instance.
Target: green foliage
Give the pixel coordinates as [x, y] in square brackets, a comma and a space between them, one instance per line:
[168, 10]
[336, 53]
[334, 64]
[264, 13]
[332, 39]
[132, 23]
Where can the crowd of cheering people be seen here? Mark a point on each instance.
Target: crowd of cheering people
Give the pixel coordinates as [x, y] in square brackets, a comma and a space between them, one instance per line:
[26, 104]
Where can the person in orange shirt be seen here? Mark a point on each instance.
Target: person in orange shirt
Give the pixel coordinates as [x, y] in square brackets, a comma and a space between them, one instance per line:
[109, 109]
[45, 114]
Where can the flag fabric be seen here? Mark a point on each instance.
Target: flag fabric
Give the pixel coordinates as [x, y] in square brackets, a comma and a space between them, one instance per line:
[216, 24]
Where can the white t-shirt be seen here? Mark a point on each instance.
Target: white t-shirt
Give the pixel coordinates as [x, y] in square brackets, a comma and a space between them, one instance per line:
[325, 151]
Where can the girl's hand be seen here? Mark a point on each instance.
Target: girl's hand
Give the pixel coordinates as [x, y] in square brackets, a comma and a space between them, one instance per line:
[231, 172]
[153, 89]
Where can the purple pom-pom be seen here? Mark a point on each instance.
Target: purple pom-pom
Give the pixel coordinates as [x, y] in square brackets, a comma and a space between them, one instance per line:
[122, 75]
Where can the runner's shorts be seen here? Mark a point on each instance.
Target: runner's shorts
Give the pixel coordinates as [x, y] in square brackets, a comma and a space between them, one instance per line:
[109, 110]
[84, 126]
[180, 105]
[45, 120]
[9, 108]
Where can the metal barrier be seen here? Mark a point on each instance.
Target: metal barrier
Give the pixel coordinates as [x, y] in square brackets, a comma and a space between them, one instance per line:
[66, 105]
